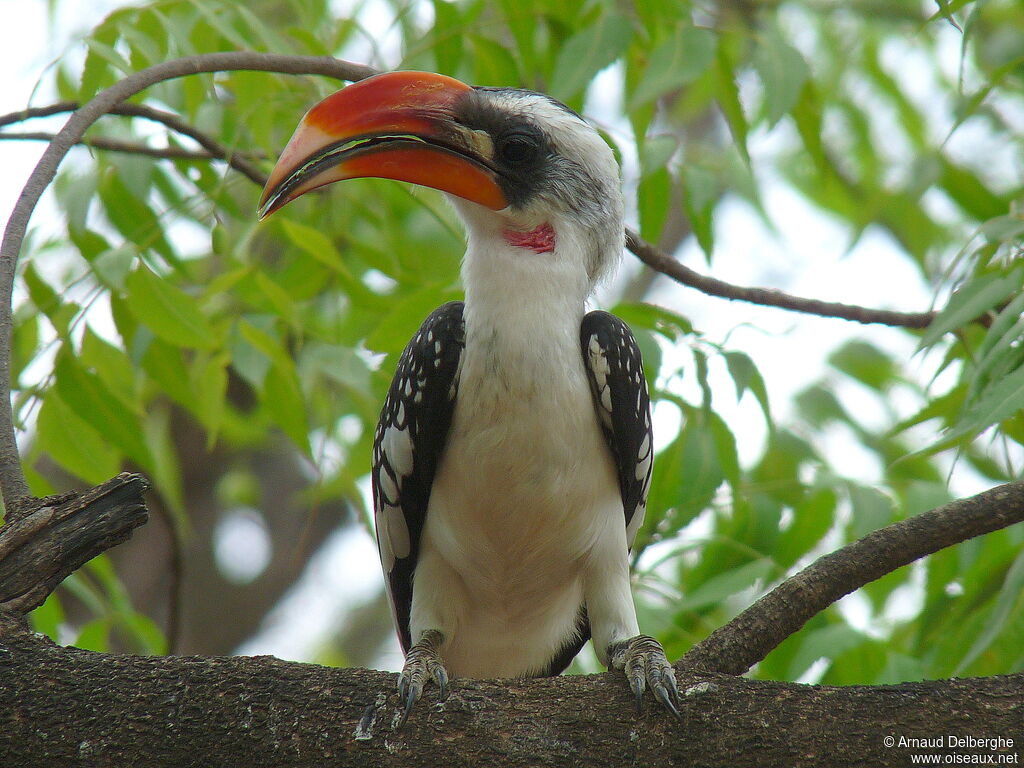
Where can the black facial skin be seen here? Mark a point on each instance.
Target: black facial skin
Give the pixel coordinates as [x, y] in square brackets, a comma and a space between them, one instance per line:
[523, 155]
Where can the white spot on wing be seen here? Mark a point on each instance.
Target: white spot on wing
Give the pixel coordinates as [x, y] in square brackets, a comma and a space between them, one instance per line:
[397, 444]
[643, 467]
[388, 489]
[645, 447]
[397, 530]
[387, 554]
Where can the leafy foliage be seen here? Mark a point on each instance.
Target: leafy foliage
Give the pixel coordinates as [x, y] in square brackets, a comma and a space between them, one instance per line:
[164, 296]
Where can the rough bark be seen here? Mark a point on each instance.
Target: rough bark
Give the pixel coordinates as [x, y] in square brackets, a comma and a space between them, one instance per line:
[67, 707]
[44, 546]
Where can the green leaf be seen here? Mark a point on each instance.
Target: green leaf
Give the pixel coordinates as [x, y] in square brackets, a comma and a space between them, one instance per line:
[132, 217]
[828, 642]
[319, 246]
[746, 377]
[113, 265]
[724, 585]
[654, 197]
[281, 390]
[398, 326]
[973, 299]
[167, 311]
[48, 301]
[48, 618]
[997, 403]
[872, 510]
[91, 400]
[812, 519]
[725, 442]
[1005, 604]
[492, 62]
[447, 35]
[676, 61]
[865, 363]
[73, 443]
[669, 324]
[283, 397]
[165, 364]
[94, 635]
[728, 94]
[783, 73]
[701, 191]
[210, 381]
[588, 52]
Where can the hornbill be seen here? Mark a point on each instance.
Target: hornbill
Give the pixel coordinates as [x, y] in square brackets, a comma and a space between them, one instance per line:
[513, 454]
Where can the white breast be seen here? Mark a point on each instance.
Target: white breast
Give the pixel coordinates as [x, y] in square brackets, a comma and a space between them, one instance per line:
[525, 490]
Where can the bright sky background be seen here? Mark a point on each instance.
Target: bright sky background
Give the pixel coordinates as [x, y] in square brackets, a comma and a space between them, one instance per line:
[810, 255]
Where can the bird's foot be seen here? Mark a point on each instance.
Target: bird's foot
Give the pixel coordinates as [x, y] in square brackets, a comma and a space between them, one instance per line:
[422, 663]
[644, 662]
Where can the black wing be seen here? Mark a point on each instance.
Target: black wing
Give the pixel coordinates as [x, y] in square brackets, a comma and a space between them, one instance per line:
[616, 373]
[407, 446]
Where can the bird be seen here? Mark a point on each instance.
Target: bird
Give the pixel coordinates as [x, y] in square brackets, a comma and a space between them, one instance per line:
[513, 454]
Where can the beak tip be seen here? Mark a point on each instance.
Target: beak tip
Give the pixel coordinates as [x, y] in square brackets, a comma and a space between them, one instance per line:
[267, 205]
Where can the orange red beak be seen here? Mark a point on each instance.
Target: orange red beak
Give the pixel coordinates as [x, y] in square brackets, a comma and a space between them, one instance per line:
[398, 125]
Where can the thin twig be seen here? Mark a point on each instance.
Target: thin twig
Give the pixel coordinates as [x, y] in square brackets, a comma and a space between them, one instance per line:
[13, 485]
[748, 638]
[665, 264]
[118, 145]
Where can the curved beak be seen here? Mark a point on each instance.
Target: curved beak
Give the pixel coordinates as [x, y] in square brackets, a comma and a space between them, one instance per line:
[398, 125]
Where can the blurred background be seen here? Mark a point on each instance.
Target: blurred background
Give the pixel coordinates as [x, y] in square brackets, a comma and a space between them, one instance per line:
[860, 152]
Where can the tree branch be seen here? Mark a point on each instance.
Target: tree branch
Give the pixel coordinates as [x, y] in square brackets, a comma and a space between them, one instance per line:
[43, 547]
[748, 638]
[13, 485]
[67, 707]
[665, 264]
[119, 145]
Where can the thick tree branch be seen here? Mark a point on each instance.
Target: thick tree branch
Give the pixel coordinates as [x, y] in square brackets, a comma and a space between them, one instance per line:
[749, 637]
[13, 486]
[43, 547]
[68, 707]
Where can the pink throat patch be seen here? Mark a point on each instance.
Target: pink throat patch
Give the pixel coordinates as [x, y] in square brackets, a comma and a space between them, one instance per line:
[539, 240]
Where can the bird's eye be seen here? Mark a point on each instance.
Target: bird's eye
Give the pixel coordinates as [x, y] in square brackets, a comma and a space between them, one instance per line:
[518, 148]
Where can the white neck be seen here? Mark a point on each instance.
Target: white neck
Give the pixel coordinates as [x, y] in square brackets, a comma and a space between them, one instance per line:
[523, 312]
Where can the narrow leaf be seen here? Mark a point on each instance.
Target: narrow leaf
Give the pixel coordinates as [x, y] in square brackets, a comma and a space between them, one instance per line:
[676, 61]
[970, 301]
[588, 52]
[168, 311]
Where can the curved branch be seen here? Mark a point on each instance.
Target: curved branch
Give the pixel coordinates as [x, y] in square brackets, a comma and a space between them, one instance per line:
[665, 264]
[172, 121]
[118, 145]
[748, 638]
[13, 485]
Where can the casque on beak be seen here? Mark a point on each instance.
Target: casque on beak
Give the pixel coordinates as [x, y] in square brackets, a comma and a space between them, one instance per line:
[398, 125]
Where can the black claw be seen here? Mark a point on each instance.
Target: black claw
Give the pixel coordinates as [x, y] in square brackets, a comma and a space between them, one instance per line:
[410, 699]
[645, 665]
[441, 678]
[662, 694]
[403, 686]
[422, 664]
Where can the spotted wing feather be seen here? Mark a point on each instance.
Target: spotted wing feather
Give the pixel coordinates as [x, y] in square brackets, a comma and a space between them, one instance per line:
[407, 446]
[616, 373]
